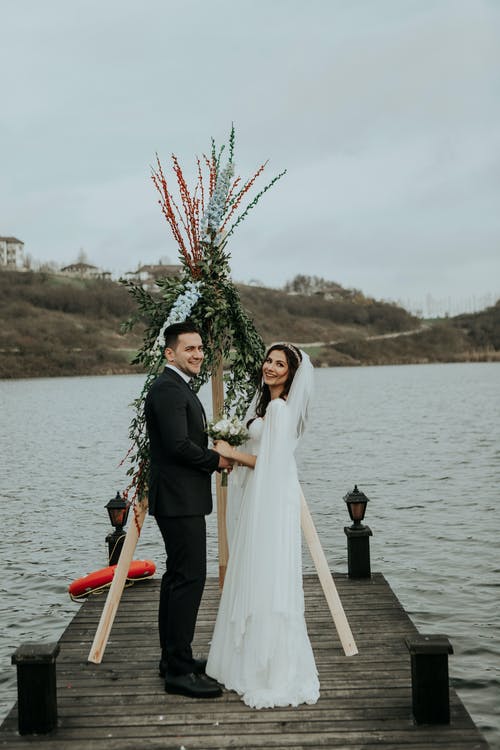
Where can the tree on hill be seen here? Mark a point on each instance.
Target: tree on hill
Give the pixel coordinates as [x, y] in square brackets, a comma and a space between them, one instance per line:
[82, 257]
[482, 328]
[303, 284]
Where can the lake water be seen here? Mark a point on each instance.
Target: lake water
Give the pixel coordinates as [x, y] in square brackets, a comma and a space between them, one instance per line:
[422, 442]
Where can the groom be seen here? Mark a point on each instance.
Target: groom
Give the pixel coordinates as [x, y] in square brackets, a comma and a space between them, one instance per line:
[179, 498]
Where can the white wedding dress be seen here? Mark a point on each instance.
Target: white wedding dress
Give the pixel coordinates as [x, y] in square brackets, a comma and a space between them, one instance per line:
[260, 646]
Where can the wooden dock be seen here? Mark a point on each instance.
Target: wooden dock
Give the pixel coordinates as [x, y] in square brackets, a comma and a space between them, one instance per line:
[365, 699]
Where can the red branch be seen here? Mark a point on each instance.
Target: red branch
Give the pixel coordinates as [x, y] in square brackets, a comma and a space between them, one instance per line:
[212, 166]
[200, 183]
[246, 187]
[233, 187]
[184, 219]
[173, 215]
[189, 210]
[136, 519]
[167, 208]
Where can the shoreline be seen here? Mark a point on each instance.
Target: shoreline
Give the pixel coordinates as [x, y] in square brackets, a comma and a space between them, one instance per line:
[479, 357]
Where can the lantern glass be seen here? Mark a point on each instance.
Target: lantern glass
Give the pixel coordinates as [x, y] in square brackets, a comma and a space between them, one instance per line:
[356, 505]
[118, 511]
[357, 511]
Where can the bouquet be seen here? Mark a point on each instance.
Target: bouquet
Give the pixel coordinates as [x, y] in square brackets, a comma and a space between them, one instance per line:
[232, 431]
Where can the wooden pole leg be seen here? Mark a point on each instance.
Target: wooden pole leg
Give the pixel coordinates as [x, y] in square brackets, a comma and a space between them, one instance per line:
[117, 585]
[218, 408]
[221, 529]
[326, 580]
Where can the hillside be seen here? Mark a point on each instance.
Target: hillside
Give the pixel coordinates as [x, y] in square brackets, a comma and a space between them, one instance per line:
[54, 325]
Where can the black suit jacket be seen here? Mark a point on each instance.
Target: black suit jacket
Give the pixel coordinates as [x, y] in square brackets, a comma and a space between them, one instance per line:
[181, 463]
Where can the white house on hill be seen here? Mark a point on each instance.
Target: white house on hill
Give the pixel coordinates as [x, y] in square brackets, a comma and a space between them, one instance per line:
[11, 253]
[85, 271]
[147, 275]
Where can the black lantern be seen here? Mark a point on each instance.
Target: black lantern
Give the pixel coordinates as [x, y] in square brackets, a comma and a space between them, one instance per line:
[118, 512]
[356, 505]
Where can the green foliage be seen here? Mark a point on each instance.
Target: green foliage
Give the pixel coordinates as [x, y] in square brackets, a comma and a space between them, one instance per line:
[40, 337]
[227, 332]
[482, 328]
[93, 297]
[304, 284]
[253, 203]
[438, 343]
[201, 232]
[226, 329]
[54, 325]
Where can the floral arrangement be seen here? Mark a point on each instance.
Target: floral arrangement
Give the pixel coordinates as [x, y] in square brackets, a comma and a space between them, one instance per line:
[229, 429]
[201, 222]
[181, 310]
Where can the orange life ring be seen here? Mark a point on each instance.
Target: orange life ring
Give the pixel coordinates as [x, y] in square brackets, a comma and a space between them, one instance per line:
[99, 579]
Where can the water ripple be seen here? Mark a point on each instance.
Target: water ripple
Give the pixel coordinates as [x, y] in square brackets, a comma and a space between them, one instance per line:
[425, 453]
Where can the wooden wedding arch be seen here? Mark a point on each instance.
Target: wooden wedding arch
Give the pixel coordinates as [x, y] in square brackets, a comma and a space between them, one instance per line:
[201, 222]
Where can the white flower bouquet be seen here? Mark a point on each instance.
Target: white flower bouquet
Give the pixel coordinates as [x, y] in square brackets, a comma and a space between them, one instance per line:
[229, 429]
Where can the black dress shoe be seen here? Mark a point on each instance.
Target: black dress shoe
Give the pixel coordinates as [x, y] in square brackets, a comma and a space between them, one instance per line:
[198, 667]
[192, 685]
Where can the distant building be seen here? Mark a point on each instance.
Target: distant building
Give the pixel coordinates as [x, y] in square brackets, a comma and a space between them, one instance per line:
[11, 253]
[335, 293]
[85, 271]
[147, 275]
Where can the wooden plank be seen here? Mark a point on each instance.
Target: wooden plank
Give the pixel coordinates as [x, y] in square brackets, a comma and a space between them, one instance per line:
[116, 589]
[217, 380]
[326, 580]
[365, 702]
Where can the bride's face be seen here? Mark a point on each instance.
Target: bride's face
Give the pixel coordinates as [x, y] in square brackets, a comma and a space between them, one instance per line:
[275, 369]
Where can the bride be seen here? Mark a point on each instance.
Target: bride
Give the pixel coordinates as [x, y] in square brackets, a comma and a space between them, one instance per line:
[260, 647]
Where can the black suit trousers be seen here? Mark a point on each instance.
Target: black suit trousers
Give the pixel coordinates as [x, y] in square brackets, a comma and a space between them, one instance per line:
[181, 588]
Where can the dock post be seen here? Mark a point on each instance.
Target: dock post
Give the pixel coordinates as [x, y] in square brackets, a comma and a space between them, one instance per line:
[358, 535]
[36, 687]
[429, 678]
[115, 540]
[358, 551]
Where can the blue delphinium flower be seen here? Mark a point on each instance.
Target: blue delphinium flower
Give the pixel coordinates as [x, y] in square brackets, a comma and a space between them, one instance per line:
[180, 311]
[214, 212]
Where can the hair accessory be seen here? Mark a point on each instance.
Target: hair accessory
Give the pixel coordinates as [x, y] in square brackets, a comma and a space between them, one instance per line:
[288, 346]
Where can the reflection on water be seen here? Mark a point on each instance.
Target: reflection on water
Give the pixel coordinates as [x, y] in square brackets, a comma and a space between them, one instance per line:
[421, 441]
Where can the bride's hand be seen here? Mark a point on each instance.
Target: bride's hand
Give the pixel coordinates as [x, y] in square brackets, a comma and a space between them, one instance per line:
[224, 449]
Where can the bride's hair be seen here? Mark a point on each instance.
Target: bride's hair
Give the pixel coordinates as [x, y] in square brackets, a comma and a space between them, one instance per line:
[293, 358]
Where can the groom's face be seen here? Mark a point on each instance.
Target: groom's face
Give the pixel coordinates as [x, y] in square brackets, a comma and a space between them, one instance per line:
[187, 354]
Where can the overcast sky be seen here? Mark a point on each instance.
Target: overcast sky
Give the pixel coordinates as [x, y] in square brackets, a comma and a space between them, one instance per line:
[386, 114]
